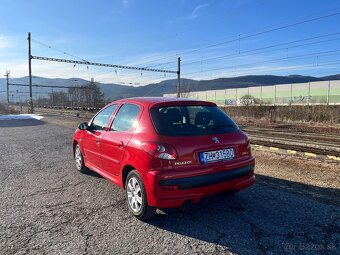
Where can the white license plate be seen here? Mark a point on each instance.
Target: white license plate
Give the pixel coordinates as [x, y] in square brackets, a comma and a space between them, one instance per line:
[213, 156]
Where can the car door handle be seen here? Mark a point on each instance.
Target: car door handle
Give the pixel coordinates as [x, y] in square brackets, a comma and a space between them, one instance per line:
[120, 144]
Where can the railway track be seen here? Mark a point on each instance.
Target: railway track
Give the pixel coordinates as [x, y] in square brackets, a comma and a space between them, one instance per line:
[324, 144]
[293, 145]
[293, 134]
[318, 143]
[316, 138]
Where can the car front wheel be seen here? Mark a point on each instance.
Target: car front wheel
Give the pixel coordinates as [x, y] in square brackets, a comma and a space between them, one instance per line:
[136, 197]
[78, 156]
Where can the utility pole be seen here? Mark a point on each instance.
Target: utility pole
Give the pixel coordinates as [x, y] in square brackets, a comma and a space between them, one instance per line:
[179, 78]
[52, 94]
[6, 75]
[30, 103]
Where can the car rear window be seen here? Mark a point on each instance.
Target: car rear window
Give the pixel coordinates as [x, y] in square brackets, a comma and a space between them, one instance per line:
[191, 120]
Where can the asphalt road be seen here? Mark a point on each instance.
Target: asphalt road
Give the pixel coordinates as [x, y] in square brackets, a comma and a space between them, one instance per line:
[47, 207]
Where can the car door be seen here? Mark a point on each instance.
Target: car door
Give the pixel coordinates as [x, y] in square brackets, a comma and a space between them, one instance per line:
[114, 141]
[93, 136]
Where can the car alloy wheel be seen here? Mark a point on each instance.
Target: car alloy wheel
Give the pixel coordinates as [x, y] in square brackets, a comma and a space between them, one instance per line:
[78, 156]
[136, 197]
[134, 194]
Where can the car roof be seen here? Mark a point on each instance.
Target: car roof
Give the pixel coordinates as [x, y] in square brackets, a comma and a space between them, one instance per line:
[159, 101]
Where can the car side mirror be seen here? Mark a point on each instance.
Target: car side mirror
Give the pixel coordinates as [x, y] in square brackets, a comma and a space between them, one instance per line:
[83, 126]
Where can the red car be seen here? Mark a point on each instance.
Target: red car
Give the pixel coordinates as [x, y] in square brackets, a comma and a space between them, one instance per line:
[165, 151]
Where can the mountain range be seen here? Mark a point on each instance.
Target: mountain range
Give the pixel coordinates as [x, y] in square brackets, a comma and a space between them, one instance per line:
[113, 91]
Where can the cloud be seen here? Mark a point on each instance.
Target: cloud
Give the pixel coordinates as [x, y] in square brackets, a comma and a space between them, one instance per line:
[195, 12]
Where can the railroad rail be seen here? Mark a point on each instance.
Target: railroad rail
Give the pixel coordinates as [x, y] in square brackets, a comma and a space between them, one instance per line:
[324, 144]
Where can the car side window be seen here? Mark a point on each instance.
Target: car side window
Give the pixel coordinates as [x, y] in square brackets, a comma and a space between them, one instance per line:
[125, 117]
[101, 120]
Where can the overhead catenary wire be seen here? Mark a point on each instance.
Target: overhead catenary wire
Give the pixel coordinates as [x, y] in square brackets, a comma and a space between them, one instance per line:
[255, 52]
[258, 69]
[46, 86]
[132, 79]
[87, 63]
[82, 62]
[237, 37]
[262, 48]
[321, 53]
[58, 50]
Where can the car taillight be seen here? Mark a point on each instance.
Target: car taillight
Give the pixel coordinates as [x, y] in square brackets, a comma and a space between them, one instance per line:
[160, 151]
[249, 147]
[245, 149]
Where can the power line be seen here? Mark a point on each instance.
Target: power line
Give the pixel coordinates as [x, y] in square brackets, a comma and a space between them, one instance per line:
[101, 64]
[247, 36]
[45, 86]
[20, 79]
[261, 48]
[58, 50]
[234, 55]
[258, 69]
[105, 65]
[268, 61]
[24, 92]
[265, 32]
[235, 36]
[85, 62]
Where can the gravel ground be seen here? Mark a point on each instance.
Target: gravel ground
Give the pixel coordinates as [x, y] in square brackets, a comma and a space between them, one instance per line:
[47, 207]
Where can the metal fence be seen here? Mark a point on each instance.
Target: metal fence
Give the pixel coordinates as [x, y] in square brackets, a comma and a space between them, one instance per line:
[321, 92]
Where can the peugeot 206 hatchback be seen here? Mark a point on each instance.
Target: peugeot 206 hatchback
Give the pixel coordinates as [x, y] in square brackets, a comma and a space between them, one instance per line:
[164, 151]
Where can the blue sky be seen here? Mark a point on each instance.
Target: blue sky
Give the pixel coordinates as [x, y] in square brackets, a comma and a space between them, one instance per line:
[154, 33]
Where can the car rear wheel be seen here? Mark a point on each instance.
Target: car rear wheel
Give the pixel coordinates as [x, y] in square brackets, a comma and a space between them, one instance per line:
[136, 197]
[78, 156]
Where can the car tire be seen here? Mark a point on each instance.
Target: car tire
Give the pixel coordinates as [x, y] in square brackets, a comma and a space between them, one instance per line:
[136, 197]
[78, 156]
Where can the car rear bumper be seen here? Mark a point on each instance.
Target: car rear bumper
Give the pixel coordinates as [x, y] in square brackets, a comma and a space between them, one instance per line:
[172, 189]
[207, 179]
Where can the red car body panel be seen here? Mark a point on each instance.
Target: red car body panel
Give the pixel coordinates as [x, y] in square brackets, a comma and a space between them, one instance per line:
[168, 183]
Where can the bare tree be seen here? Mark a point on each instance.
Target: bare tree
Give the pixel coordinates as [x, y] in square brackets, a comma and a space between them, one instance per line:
[185, 91]
[88, 95]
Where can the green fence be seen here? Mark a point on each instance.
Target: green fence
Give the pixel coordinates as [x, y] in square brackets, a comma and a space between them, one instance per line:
[323, 92]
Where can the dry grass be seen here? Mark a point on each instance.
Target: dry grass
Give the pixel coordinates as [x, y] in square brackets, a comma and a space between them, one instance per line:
[328, 114]
[5, 109]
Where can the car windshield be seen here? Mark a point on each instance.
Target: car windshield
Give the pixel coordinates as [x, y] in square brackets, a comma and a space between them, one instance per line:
[191, 120]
